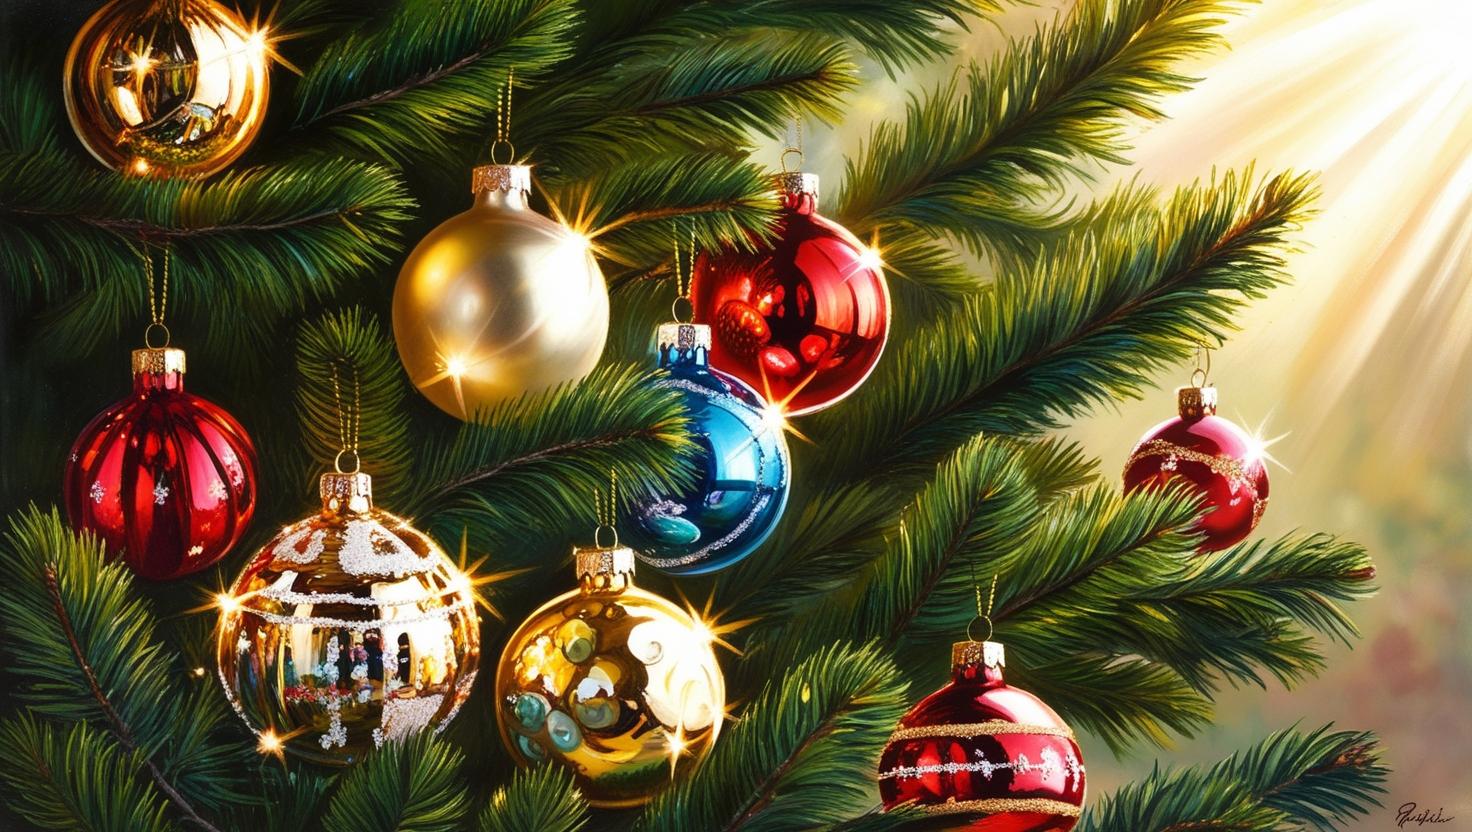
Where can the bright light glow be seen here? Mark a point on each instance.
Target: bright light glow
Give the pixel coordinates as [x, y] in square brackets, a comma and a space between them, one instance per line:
[270, 743]
[227, 603]
[869, 258]
[199, 671]
[774, 417]
[140, 166]
[140, 64]
[676, 746]
[257, 41]
[456, 365]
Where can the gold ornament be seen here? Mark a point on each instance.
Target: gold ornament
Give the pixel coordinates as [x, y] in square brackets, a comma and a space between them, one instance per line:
[349, 629]
[167, 87]
[616, 683]
[498, 301]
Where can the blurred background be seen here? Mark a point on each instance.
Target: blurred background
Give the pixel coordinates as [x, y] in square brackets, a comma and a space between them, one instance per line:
[1364, 365]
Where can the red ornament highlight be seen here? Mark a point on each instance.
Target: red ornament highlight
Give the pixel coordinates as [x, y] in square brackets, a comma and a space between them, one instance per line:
[166, 478]
[1218, 459]
[992, 757]
[804, 319]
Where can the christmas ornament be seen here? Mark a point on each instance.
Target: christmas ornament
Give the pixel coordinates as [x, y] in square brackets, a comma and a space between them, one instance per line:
[164, 477]
[994, 757]
[1214, 457]
[804, 318]
[348, 629]
[168, 87]
[742, 467]
[617, 684]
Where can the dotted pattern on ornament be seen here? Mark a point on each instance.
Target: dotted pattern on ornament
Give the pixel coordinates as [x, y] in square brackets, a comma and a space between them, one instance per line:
[289, 596]
[997, 805]
[990, 728]
[1223, 466]
[1049, 766]
[359, 626]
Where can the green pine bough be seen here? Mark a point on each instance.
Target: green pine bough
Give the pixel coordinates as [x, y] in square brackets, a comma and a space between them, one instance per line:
[642, 117]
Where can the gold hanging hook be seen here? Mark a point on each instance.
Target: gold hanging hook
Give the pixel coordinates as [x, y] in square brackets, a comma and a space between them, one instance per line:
[793, 147]
[983, 615]
[606, 514]
[1204, 374]
[682, 307]
[503, 122]
[156, 306]
[348, 422]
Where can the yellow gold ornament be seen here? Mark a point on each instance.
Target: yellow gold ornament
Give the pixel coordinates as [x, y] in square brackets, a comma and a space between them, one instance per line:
[167, 87]
[617, 684]
[498, 301]
[349, 629]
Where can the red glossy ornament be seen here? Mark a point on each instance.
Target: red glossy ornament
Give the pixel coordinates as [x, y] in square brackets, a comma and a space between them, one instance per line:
[804, 318]
[1217, 458]
[166, 478]
[984, 754]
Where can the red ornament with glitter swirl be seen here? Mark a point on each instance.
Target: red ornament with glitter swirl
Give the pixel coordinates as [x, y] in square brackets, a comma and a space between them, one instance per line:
[989, 756]
[1215, 457]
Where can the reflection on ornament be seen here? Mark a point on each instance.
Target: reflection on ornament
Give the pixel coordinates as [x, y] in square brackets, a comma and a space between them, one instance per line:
[349, 629]
[1224, 466]
[804, 318]
[147, 474]
[619, 685]
[993, 757]
[742, 467]
[498, 301]
[177, 88]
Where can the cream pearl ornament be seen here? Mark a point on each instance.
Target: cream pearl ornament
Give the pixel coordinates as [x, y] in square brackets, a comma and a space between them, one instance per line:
[498, 301]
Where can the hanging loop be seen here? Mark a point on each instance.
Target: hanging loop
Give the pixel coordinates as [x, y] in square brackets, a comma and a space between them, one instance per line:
[1200, 375]
[349, 420]
[682, 307]
[794, 147]
[606, 513]
[503, 122]
[983, 615]
[157, 302]
[152, 329]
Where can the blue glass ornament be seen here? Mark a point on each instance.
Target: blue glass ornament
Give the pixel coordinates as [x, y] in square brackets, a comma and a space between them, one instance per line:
[743, 471]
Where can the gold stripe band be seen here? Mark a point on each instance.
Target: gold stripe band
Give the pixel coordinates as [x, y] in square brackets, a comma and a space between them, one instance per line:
[997, 805]
[990, 728]
[1223, 466]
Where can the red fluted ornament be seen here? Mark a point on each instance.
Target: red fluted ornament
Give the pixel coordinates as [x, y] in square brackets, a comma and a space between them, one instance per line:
[991, 757]
[1215, 457]
[803, 318]
[166, 478]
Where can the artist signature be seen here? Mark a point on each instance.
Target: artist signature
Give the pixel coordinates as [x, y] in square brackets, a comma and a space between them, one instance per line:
[1411, 813]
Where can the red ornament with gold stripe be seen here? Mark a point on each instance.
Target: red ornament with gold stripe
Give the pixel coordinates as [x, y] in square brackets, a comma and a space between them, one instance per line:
[985, 754]
[1214, 457]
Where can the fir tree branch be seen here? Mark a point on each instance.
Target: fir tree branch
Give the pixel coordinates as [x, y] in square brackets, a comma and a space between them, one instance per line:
[1090, 323]
[85, 630]
[409, 785]
[424, 75]
[540, 800]
[76, 778]
[1291, 780]
[542, 456]
[363, 354]
[805, 748]
[986, 157]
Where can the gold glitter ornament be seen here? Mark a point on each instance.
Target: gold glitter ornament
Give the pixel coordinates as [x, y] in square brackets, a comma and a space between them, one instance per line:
[350, 628]
[167, 87]
[498, 301]
[616, 683]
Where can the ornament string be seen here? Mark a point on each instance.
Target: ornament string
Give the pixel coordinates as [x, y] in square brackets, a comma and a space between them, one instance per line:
[503, 122]
[605, 513]
[348, 421]
[157, 304]
[682, 307]
[795, 146]
[1203, 373]
[983, 614]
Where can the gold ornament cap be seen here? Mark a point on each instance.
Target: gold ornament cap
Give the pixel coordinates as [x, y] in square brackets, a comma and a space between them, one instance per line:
[986, 653]
[684, 337]
[797, 183]
[351, 492]
[1196, 402]
[156, 360]
[598, 561]
[509, 178]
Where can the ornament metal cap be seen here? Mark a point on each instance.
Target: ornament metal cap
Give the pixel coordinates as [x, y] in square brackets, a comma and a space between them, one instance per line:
[682, 336]
[350, 491]
[596, 561]
[797, 183]
[1196, 402]
[988, 653]
[501, 178]
[158, 360]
